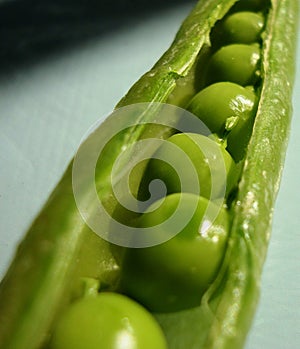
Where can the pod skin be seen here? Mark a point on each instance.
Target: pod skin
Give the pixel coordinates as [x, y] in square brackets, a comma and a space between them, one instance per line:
[59, 248]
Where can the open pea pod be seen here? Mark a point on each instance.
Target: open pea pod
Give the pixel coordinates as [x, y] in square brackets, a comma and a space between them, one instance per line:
[60, 249]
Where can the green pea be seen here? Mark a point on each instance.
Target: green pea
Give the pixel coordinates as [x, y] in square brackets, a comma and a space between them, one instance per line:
[242, 27]
[213, 166]
[237, 63]
[227, 109]
[174, 275]
[108, 321]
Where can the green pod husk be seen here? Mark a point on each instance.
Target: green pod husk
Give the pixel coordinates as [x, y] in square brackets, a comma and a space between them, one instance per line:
[59, 248]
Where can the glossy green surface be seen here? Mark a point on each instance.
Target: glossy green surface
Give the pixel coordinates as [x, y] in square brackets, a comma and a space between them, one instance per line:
[229, 110]
[174, 275]
[237, 63]
[108, 321]
[209, 160]
[241, 27]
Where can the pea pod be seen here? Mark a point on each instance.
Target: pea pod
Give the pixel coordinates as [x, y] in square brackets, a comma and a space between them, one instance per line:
[59, 248]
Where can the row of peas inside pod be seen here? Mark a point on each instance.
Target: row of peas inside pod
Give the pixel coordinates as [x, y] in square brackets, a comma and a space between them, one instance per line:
[174, 275]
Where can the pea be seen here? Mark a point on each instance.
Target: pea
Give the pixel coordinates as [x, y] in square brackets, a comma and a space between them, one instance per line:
[212, 164]
[108, 321]
[174, 275]
[227, 108]
[237, 63]
[242, 27]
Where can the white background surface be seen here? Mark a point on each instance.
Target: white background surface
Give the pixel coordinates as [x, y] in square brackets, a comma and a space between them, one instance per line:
[46, 108]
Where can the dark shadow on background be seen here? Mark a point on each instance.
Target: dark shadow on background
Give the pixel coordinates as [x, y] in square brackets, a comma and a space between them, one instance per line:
[33, 29]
